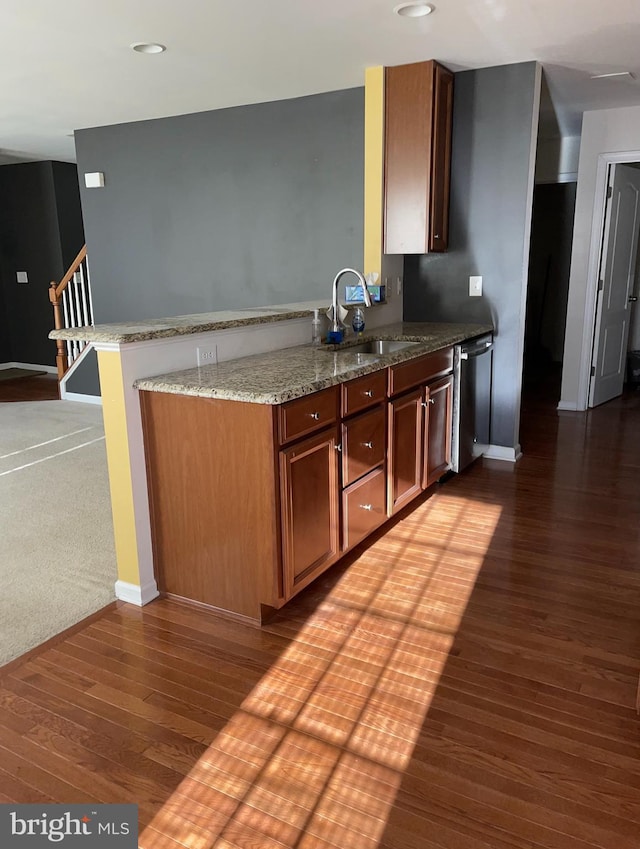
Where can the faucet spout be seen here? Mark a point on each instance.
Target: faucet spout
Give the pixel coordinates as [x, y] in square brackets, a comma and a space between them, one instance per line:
[335, 320]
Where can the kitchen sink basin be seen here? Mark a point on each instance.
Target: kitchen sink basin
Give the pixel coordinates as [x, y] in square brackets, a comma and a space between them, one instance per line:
[379, 346]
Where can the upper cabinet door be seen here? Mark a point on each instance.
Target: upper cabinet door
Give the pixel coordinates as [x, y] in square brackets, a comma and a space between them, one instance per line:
[418, 111]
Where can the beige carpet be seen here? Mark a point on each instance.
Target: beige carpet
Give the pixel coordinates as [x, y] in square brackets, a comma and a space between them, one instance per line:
[57, 557]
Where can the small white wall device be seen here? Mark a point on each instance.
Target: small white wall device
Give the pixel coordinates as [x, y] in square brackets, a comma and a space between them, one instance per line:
[94, 180]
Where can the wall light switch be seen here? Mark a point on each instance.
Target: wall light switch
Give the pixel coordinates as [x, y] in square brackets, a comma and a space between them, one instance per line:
[22, 277]
[94, 180]
[475, 287]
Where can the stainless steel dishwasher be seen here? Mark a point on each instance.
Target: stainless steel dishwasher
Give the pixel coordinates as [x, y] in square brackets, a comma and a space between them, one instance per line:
[472, 368]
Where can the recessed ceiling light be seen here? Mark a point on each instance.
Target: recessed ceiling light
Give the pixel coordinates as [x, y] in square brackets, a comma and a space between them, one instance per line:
[414, 10]
[148, 47]
[626, 74]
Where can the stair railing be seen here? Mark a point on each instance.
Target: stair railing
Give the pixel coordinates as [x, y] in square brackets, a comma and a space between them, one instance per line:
[72, 307]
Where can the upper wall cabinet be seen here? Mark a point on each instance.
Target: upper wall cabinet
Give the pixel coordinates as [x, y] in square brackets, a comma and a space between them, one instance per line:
[418, 111]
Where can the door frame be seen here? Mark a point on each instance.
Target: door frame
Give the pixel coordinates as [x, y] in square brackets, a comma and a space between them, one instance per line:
[595, 258]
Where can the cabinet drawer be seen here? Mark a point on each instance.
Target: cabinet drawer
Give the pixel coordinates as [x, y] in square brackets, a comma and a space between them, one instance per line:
[363, 444]
[422, 369]
[308, 414]
[363, 508]
[363, 392]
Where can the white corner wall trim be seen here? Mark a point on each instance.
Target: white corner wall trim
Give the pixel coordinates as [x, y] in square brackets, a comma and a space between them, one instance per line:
[569, 407]
[501, 452]
[34, 366]
[135, 594]
[78, 396]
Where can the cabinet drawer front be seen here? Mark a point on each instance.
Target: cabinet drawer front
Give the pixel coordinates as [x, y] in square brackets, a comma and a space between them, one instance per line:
[413, 372]
[363, 507]
[308, 414]
[363, 392]
[363, 444]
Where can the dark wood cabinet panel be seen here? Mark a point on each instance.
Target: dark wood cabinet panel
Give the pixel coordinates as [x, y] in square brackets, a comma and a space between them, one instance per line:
[364, 392]
[420, 370]
[418, 115]
[212, 485]
[309, 487]
[405, 449]
[308, 414]
[437, 430]
[364, 508]
[441, 159]
[363, 444]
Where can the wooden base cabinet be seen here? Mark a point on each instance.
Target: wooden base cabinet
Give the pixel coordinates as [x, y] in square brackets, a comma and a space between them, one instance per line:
[419, 450]
[250, 503]
[405, 449]
[437, 430]
[310, 504]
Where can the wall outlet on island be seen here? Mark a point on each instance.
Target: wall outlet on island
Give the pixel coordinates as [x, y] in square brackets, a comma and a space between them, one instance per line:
[207, 355]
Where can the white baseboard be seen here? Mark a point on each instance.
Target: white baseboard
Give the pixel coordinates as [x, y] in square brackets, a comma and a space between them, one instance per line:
[135, 594]
[568, 406]
[34, 366]
[77, 396]
[501, 452]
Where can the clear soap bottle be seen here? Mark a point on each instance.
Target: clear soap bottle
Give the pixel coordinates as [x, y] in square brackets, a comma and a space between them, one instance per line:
[316, 328]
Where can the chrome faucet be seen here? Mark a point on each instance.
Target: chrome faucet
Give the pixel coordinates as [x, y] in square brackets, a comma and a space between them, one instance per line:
[336, 325]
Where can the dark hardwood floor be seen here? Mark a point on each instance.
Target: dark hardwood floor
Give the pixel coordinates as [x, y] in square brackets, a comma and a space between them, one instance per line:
[40, 388]
[465, 682]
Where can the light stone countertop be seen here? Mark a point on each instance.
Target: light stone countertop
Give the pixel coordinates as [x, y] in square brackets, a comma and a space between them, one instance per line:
[183, 325]
[288, 373]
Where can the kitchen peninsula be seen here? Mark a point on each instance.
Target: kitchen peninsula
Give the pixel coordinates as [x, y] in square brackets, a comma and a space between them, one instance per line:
[263, 471]
[227, 471]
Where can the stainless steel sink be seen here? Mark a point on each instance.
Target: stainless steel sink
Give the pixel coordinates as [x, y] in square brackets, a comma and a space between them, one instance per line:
[378, 346]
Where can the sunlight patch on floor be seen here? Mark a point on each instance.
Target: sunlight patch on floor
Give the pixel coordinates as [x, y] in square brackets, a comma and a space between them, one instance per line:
[316, 753]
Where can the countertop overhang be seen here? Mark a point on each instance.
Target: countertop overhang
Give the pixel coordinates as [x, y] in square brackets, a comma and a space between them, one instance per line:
[289, 373]
[185, 325]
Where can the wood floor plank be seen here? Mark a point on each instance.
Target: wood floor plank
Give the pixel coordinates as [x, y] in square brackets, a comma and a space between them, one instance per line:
[464, 681]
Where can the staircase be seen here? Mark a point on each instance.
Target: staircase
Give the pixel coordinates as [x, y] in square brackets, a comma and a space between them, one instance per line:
[72, 307]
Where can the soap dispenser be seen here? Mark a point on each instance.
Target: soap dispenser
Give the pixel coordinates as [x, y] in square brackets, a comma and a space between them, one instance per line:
[358, 321]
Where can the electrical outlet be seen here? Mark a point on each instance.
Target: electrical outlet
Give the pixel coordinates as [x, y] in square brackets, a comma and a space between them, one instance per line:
[207, 355]
[398, 285]
[475, 287]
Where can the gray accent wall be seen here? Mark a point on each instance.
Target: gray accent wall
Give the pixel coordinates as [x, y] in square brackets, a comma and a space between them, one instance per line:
[493, 127]
[233, 208]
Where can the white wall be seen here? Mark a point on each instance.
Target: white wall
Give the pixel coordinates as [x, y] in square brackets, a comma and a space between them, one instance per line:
[605, 131]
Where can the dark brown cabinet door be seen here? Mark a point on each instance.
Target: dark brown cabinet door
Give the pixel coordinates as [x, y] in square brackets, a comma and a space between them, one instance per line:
[405, 449]
[418, 113]
[441, 159]
[309, 491]
[437, 430]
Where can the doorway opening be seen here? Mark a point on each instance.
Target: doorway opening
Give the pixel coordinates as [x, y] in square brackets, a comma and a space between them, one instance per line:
[548, 286]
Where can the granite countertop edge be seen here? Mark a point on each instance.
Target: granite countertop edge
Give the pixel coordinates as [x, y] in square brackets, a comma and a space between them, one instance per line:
[289, 373]
[185, 325]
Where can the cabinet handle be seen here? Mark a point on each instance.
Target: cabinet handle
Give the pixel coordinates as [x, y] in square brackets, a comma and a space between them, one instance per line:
[366, 506]
[437, 236]
[368, 444]
[368, 393]
[432, 400]
[338, 447]
[315, 416]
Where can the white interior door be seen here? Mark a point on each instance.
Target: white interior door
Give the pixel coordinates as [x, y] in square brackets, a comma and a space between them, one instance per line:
[617, 269]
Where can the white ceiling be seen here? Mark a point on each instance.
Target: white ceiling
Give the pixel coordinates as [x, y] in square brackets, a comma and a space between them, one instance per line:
[67, 64]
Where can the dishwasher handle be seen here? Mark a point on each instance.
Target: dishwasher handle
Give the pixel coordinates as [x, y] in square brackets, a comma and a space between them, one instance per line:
[477, 350]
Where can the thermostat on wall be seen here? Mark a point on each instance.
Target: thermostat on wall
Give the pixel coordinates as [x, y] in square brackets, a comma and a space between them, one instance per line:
[95, 180]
